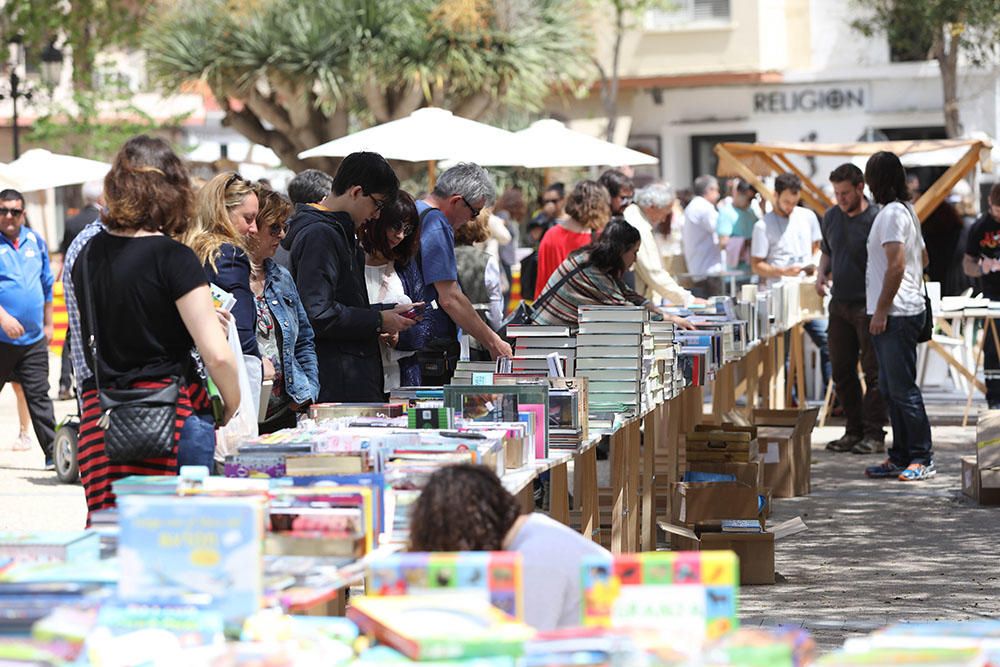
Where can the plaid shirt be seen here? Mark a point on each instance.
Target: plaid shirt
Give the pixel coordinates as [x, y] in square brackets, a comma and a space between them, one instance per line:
[80, 368]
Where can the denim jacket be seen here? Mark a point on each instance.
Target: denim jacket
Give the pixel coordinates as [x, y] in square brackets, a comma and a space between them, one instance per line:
[298, 350]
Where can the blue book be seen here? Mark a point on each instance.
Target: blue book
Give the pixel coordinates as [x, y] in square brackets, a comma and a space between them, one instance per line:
[206, 551]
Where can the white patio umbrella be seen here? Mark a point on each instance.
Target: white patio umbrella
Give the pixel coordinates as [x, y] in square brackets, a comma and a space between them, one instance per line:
[425, 135]
[549, 143]
[39, 169]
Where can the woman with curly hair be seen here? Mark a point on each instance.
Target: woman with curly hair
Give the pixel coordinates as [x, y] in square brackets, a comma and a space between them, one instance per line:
[466, 508]
[589, 209]
[150, 303]
[479, 276]
[284, 334]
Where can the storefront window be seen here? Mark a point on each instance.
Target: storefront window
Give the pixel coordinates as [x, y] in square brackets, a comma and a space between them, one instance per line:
[703, 157]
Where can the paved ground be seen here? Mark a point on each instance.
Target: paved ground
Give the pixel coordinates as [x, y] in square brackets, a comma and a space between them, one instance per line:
[876, 552]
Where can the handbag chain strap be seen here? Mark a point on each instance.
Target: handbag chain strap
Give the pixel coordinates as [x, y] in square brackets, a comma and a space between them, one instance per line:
[105, 419]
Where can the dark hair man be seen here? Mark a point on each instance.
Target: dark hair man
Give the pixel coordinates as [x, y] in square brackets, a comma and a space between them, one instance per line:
[783, 244]
[982, 260]
[26, 316]
[620, 187]
[310, 186]
[845, 230]
[459, 196]
[328, 265]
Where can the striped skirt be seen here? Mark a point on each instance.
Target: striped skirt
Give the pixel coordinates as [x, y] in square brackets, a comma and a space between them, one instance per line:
[97, 472]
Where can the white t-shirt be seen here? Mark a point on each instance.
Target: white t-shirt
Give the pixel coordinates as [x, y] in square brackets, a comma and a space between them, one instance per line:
[702, 253]
[784, 242]
[385, 286]
[896, 223]
[551, 556]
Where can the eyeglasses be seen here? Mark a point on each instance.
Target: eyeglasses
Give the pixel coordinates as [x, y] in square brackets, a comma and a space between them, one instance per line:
[379, 203]
[12, 212]
[406, 228]
[550, 201]
[475, 211]
[277, 229]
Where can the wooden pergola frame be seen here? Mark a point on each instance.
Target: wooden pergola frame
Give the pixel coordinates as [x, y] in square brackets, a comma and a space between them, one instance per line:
[753, 162]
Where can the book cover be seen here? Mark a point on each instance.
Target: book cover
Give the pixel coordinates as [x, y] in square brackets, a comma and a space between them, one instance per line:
[439, 627]
[201, 550]
[493, 576]
[45, 546]
[690, 595]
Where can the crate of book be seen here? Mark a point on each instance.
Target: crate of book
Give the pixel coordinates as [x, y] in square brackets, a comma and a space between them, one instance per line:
[730, 446]
[981, 485]
[988, 439]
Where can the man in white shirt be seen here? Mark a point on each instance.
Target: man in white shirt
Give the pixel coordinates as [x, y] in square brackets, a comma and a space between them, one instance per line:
[702, 252]
[652, 205]
[894, 293]
[783, 244]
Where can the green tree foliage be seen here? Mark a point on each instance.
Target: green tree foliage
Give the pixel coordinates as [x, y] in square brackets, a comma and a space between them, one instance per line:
[951, 28]
[291, 74]
[85, 26]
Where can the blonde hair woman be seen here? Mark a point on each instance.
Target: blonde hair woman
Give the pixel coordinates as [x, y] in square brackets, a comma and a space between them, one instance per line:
[589, 209]
[225, 216]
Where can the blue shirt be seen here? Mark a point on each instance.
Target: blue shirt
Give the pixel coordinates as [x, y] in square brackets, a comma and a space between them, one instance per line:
[25, 284]
[734, 221]
[437, 263]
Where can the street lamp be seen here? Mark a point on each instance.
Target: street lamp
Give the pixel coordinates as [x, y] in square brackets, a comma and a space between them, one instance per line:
[51, 70]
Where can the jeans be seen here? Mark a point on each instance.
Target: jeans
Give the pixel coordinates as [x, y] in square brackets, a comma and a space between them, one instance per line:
[29, 365]
[896, 349]
[196, 445]
[817, 331]
[849, 340]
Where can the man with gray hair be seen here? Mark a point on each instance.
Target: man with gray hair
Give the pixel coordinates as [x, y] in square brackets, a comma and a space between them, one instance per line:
[307, 188]
[458, 197]
[653, 204]
[702, 251]
[93, 199]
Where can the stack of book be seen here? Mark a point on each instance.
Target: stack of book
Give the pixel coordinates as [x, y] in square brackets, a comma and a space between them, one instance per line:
[613, 344]
[469, 372]
[534, 343]
[660, 380]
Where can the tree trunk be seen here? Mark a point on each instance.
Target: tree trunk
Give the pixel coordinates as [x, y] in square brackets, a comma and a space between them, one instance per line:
[611, 91]
[945, 51]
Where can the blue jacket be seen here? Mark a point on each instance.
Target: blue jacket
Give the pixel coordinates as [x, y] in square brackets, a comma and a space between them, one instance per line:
[417, 336]
[232, 273]
[298, 348]
[25, 284]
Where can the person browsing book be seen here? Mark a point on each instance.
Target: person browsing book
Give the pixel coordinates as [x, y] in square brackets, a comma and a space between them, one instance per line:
[589, 209]
[284, 334]
[592, 276]
[466, 508]
[150, 304]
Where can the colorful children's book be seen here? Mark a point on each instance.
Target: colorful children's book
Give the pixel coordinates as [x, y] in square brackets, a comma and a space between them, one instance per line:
[438, 627]
[493, 576]
[194, 550]
[44, 546]
[693, 595]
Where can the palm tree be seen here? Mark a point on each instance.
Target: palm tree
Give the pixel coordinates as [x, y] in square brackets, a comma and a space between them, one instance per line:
[291, 74]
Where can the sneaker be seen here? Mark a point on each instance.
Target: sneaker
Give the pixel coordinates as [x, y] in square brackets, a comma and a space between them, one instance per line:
[884, 470]
[917, 472]
[869, 446]
[50, 463]
[23, 442]
[844, 443]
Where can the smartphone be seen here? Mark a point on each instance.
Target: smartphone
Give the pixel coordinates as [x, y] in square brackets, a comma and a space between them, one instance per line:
[416, 311]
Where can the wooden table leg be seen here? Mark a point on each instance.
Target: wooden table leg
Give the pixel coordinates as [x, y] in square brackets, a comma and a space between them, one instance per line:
[767, 378]
[779, 372]
[650, 435]
[633, 463]
[800, 363]
[619, 456]
[559, 493]
[586, 490]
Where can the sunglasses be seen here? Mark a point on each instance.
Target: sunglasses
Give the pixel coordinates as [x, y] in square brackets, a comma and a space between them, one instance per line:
[13, 212]
[379, 203]
[277, 229]
[235, 177]
[475, 211]
[405, 227]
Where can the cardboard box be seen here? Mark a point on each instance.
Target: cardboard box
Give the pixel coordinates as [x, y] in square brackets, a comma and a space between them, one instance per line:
[970, 477]
[989, 486]
[698, 503]
[720, 447]
[988, 439]
[751, 474]
[755, 550]
[802, 423]
[779, 462]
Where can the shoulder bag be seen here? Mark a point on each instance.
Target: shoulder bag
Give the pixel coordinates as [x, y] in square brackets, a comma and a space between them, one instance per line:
[927, 328]
[138, 424]
[525, 312]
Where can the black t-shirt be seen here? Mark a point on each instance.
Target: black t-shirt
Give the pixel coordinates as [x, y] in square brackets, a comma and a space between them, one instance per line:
[134, 283]
[984, 242]
[845, 240]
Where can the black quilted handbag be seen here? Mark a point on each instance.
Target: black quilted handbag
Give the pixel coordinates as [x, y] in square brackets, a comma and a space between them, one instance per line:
[138, 424]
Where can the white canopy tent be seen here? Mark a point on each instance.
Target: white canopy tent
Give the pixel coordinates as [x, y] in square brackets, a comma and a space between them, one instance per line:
[39, 169]
[549, 143]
